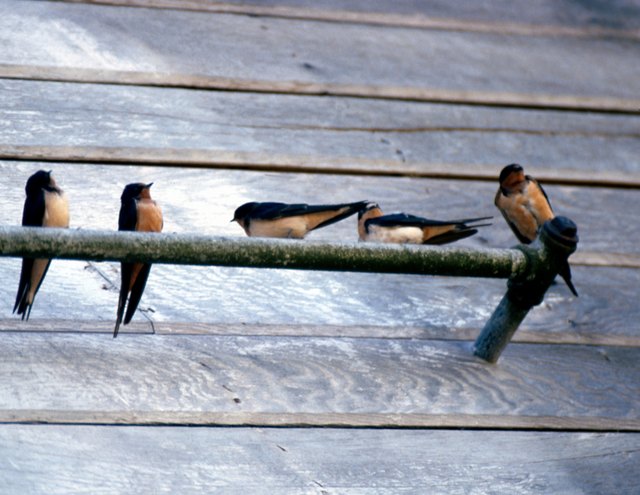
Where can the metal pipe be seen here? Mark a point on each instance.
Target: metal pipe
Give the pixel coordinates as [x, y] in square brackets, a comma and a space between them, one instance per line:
[547, 256]
[259, 253]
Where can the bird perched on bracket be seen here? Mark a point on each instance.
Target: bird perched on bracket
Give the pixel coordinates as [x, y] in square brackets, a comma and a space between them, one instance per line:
[46, 205]
[525, 206]
[292, 221]
[140, 213]
[402, 228]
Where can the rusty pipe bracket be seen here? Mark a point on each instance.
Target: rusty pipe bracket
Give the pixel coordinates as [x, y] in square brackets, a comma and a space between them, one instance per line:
[546, 257]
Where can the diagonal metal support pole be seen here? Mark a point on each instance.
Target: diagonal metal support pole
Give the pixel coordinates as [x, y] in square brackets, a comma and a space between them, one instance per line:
[547, 257]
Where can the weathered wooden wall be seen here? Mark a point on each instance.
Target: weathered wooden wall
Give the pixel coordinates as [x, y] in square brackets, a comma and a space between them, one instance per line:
[369, 379]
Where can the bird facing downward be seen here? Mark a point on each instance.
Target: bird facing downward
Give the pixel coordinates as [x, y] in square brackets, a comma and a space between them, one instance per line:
[522, 202]
[292, 221]
[402, 228]
[140, 213]
[46, 205]
[525, 206]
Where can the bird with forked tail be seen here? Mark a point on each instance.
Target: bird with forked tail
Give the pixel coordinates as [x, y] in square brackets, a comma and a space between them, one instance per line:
[402, 228]
[525, 206]
[138, 212]
[46, 205]
[293, 221]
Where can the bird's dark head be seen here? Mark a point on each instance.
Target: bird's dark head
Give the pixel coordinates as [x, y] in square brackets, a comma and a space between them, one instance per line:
[242, 212]
[509, 171]
[135, 191]
[367, 208]
[512, 178]
[42, 179]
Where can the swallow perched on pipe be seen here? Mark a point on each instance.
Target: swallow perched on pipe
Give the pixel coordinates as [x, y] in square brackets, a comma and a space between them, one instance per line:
[292, 221]
[46, 205]
[138, 212]
[525, 206]
[401, 228]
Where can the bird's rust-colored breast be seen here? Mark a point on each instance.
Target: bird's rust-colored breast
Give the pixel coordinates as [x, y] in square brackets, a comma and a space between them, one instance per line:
[56, 210]
[149, 216]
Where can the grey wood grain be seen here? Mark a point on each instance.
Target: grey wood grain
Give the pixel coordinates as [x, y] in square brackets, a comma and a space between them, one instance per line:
[591, 16]
[313, 461]
[284, 380]
[264, 302]
[203, 201]
[285, 53]
[72, 300]
[67, 121]
[617, 21]
[553, 332]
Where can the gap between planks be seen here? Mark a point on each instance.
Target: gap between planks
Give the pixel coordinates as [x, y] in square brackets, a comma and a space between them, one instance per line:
[415, 20]
[522, 336]
[275, 162]
[602, 104]
[322, 420]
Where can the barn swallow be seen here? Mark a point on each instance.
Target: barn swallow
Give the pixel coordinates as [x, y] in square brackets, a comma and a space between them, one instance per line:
[402, 228]
[292, 221]
[46, 205]
[525, 206]
[140, 213]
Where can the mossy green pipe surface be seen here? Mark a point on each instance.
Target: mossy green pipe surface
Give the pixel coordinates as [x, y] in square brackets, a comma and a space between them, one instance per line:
[191, 249]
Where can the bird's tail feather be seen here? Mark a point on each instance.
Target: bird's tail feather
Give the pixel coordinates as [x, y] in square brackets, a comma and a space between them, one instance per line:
[349, 209]
[469, 221]
[136, 292]
[451, 236]
[125, 275]
[565, 273]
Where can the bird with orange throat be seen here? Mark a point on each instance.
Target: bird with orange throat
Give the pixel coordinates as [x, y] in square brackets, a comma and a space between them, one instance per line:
[525, 206]
[46, 205]
[140, 213]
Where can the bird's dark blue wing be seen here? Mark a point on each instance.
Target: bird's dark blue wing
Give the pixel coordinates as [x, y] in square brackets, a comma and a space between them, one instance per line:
[128, 215]
[404, 220]
[126, 270]
[136, 292]
[539, 186]
[32, 216]
[273, 211]
[23, 286]
[126, 221]
[33, 211]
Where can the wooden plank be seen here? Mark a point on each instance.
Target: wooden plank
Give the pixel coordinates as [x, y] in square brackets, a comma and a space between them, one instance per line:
[605, 104]
[542, 17]
[251, 460]
[393, 166]
[605, 259]
[283, 55]
[432, 306]
[78, 122]
[314, 381]
[73, 299]
[238, 419]
[532, 332]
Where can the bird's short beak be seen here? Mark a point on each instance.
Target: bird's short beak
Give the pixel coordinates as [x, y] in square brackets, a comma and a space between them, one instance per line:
[148, 185]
